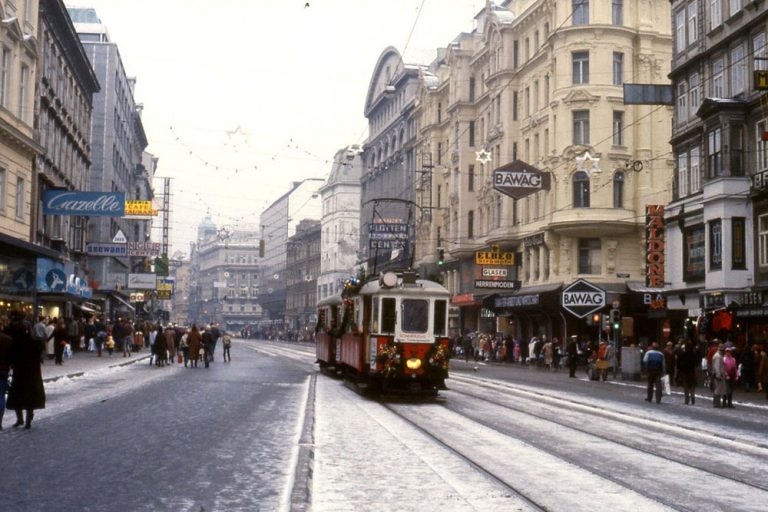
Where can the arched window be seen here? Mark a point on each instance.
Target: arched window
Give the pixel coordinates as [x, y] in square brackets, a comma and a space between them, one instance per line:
[580, 190]
[618, 190]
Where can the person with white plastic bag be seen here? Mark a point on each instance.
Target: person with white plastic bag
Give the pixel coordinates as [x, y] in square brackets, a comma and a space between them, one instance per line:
[654, 363]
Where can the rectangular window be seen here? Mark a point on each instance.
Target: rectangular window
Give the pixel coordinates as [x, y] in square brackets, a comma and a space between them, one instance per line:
[738, 244]
[580, 10]
[715, 14]
[472, 88]
[20, 198]
[5, 71]
[715, 153]
[471, 134]
[715, 245]
[682, 102]
[23, 87]
[735, 7]
[682, 174]
[580, 68]
[759, 54]
[514, 106]
[581, 127]
[441, 318]
[590, 260]
[694, 251]
[761, 132]
[695, 95]
[693, 22]
[415, 313]
[2, 191]
[515, 54]
[470, 224]
[618, 68]
[762, 234]
[535, 95]
[737, 150]
[471, 178]
[738, 70]
[527, 102]
[618, 128]
[680, 42]
[617, 12]
[718, 87]
[695, 162]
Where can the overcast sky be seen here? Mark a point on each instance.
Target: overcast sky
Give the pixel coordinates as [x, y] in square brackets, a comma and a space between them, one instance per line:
[265, 90]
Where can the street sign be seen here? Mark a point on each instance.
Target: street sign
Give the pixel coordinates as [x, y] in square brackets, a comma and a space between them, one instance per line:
[119, 237]
[583, 298]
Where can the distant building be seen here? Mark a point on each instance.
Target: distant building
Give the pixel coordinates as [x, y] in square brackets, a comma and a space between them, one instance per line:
[224, 277]
[301, 281]
[340, 223]
[278, 223]
[118, 142]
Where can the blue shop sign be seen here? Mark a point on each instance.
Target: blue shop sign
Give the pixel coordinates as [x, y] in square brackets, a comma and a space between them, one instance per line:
[88, 204]
[51, 276]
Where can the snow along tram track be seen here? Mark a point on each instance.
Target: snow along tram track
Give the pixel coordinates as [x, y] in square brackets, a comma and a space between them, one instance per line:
[684, 468]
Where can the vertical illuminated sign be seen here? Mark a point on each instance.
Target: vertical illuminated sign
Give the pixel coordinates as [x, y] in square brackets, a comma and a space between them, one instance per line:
[654, 246]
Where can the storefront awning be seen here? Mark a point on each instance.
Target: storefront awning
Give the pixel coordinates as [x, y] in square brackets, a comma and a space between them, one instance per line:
[87, 307]
[125, 302]
[638, 287]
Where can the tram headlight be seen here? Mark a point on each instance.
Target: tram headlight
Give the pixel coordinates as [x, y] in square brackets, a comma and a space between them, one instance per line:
[413, 363]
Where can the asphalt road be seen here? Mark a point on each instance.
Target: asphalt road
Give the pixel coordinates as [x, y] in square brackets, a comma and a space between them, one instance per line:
[149, 438]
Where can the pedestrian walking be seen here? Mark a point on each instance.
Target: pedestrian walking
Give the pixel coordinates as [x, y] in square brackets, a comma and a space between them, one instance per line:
[127, 338]
[215, 336]
[194, 340]
[59, 341]
[207, 340]
[747, 362]
[5, 366]
[466, 344]
[730, 367]
[227, 344]
[717, 370]
[762, 372]
[170, 343]
[686, 372]
[572, 351]
[184, 347]
[27, 392]
[654, 362]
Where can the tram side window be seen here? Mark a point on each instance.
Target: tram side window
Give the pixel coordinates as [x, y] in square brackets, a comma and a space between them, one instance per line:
[415, 315]
[388, 315]
[375, 315]
[441, 308]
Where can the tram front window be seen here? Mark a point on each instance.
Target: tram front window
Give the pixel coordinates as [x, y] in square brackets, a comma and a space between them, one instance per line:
[415, 315]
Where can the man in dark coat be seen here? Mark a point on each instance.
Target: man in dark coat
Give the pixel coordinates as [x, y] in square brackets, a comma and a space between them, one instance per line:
[572, 351]
[5, 366]
[207, 345]
[687, 361]
[27, 391]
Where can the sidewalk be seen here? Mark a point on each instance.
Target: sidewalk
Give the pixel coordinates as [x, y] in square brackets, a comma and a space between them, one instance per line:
[82, 362]
[702, 394]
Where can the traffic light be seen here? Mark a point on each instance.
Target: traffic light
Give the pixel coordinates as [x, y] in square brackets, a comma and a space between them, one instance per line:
[606, 322]
[440, 257]
[615, 319]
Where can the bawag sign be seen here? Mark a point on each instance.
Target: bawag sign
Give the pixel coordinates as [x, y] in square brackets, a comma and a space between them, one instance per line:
[518, 179]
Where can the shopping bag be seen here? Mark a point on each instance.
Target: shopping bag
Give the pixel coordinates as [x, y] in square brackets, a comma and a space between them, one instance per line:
[180, 358]
[666, 388]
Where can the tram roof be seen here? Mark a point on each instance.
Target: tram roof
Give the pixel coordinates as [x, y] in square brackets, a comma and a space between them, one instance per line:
[374, 287]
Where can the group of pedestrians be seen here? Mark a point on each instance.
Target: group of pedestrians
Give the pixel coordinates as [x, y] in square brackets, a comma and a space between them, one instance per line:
[189, 346]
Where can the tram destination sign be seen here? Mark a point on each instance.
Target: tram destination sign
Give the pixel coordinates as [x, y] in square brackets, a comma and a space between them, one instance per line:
[582, 298]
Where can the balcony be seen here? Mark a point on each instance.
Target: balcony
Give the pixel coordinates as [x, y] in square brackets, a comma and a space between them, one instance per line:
[593, 222]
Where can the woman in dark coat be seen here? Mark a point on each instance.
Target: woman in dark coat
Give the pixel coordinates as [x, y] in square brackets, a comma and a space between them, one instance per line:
[160, 348]
[27, 391]
[60, 338]
[687, 361]
[193, 340]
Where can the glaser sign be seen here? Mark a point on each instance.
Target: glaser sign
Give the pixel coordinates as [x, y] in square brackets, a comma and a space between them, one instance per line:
[518, 179]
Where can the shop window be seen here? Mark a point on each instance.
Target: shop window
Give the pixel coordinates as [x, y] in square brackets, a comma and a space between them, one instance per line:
[694, 251]
[590, 256]
[715, 245]
[738, 244]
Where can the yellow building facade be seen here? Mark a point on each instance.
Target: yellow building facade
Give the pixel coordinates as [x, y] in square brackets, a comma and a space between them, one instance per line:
[542, 82]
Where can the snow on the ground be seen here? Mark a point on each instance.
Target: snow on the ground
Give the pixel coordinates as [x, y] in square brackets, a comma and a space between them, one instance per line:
[368, 459]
